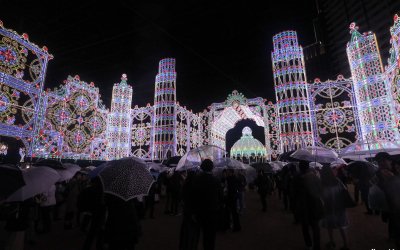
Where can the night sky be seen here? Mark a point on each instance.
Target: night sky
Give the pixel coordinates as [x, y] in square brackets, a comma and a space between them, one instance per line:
[219, 46]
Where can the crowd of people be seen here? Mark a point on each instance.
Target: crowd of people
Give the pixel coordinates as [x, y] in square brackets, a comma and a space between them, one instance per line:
[208, 203]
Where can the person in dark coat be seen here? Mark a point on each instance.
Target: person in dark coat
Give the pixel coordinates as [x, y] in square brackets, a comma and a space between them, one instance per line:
[334, 197]
[176, 192]
[122, 227]
[233, 186]
[168, 192]
[263, 183]
[242, 188]
[309, 204]
[208, 198]
[389, 182]
[190, 229]
[95, 205]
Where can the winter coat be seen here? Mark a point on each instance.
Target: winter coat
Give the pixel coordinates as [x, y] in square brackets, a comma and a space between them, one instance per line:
[308, 192]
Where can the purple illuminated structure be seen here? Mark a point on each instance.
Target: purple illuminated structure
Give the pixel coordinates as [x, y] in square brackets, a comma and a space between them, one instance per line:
[293, 107]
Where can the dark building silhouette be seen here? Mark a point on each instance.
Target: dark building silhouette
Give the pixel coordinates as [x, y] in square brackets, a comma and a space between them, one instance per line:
[326, 58]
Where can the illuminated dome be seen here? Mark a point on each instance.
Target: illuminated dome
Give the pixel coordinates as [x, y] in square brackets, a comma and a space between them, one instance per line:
[247, 146]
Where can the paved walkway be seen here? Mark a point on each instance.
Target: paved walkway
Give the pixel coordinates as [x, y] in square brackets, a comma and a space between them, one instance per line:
[260, 231]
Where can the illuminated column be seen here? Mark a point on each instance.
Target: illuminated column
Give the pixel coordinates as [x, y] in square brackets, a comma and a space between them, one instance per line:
[119, 121]
[164, 122]
[374, 102]
[293, 108]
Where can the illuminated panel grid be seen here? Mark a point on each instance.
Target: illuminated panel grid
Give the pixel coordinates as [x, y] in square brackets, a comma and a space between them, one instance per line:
[164, 122]
[119, 121]
[293, 108]
[374, 102]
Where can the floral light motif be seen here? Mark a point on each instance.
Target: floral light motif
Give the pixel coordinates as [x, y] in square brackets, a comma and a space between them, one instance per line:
[71, 121]
[75, 111]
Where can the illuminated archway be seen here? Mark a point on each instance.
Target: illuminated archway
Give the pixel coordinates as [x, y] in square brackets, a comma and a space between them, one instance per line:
[224, 116]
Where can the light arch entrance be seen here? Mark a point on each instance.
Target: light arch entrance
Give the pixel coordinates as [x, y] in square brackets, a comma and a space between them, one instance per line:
[224, 116]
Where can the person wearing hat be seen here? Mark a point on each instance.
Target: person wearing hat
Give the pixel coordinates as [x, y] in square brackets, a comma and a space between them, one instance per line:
[208, 196]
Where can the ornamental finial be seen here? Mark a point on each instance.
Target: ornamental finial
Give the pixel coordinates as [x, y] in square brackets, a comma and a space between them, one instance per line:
[353, 27]
[124, 77]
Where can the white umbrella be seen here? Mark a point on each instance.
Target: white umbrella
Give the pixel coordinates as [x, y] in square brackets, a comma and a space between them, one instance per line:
[317, 154]
[277, 165]
[361, 150]
[37, 180]
[249, 172]
[338, 162]
[228, 163]
[315, 165]
[68, 172]
[194, 157]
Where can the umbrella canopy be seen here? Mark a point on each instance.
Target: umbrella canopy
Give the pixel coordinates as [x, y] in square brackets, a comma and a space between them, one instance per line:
[172, 161]
[68, 171]
[11, 179]
[286, 156]
[248, 171]
[315, 154]
[37, 180]
[361, 169]
[126, 178]
[360, 149]
[49, 163]
[263, 166]
[229, 163]
[194, 157]
[277, 165]
[157, 167]
[95, 172]
[339, 162]
[315, 165]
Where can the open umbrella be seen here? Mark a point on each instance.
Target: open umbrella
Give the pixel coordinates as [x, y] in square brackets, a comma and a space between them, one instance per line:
[172, 161]
[157, 167]
[286, 156]
[228, 163]
[277, 165]
[248, 171]
[11, 179]
[361, 150]
[263, 166]
[49, 163]
[68, 171]
[315, 165]
[95, 172]
[37, 180]
[126, 178]
[194, 157]
[339, 162]
[315, 154]
[361, 169]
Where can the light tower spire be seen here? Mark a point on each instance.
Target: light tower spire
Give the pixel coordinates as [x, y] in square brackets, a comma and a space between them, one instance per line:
[295, 126]
[164, 123]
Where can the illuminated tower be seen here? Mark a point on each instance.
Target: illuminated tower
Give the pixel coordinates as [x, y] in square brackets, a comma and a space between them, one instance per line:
[119, 121]
[293, 108]
[164, 122]
[376, 111]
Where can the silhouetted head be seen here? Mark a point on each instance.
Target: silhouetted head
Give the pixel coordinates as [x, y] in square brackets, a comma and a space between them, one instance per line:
[328, 177]
[207, 165]
[384, 160]
[304, 166]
